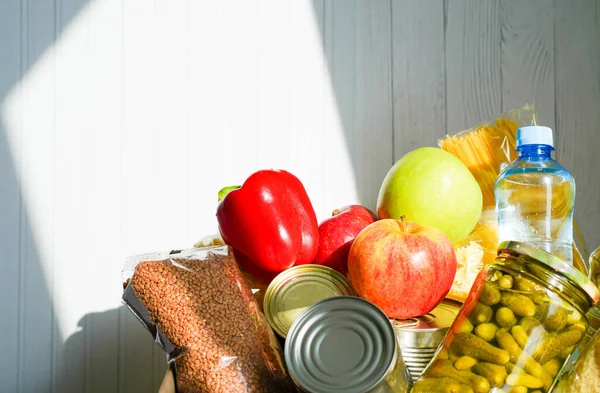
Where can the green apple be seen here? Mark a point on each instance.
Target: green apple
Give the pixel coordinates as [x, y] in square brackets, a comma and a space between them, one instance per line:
[431, 187]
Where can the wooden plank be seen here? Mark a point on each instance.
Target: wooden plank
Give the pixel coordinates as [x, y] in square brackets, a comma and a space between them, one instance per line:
[313, 99]
[10, 202]
[224, 105]
[577, 102]
[418, 74]
[528, 56]
[140, 161]
[104, 201]
[358, 44]
[313, 102]
[136, 366]
[173, 111]
[473, 66]
[36, 138]
[276, 75]
[72, 179]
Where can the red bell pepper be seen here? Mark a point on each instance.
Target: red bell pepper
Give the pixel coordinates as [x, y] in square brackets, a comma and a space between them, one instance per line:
[270, 220]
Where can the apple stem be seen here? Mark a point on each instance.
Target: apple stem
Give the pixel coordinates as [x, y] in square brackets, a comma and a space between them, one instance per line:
[402, 220]
[335, 212]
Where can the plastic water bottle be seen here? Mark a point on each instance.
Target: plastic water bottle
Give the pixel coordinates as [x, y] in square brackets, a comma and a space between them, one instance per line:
[535, 196]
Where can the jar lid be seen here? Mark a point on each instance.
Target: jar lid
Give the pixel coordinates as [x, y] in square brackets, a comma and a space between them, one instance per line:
[340, 344]
[295, 289]
[557, 264]
[595, 256]
[428, 330]
[593, 317]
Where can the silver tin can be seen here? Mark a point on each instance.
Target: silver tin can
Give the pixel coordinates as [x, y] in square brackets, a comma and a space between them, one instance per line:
[296, 289]
[345, 344]
[420, 337]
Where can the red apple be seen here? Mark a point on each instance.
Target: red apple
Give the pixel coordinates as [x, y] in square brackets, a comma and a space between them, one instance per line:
[337, 233]
[404, 268]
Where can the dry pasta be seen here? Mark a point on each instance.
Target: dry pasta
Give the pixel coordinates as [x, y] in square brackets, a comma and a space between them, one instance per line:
[484, 150]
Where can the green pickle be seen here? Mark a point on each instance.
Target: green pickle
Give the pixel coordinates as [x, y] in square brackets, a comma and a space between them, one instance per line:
[490, 295]
[520, 336]
[471, 345]
[437, 385]
[506, 282]
[464, 327]
[552, 345]
[520, 304]
[505, 317]
[444, 368]
[553, 366]
[529, 381]
[487, 331]
[529, 323]
[481, 314]
[525, 285]
[494, 373]
[554, 316]
[464, 362]
[518, 389]
[515, 339]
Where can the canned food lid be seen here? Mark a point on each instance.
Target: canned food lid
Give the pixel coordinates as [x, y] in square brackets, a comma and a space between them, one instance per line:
[556, 264]
[441, 317]
[340, 344]
[296, 289]
[428, 330]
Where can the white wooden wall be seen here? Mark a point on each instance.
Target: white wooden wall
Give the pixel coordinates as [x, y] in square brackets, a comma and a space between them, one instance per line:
[121, 119]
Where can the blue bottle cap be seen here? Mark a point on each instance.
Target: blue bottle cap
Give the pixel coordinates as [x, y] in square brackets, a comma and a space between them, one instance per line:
[535, 135]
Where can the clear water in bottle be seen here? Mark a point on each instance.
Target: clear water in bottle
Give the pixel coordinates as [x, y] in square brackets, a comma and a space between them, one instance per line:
[535, 196]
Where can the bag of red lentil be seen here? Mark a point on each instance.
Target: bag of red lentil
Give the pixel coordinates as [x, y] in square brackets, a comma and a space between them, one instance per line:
[200, 310]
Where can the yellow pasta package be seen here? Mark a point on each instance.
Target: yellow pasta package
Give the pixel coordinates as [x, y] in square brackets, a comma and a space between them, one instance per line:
[486, 148]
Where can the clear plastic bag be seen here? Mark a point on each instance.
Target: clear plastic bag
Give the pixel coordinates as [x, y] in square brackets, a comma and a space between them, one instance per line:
[479, 248]
[201, 311]
[585, 376]
[485, 149]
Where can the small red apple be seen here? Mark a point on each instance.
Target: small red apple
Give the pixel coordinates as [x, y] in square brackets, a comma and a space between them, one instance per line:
[337, 233]
[404, 268]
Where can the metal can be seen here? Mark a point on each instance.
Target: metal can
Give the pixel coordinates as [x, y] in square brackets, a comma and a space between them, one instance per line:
[296, 289]
[345, 344]
[420, 337]
[519, 325]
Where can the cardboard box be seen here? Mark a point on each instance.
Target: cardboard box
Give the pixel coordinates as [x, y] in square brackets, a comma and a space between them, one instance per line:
[168, 383]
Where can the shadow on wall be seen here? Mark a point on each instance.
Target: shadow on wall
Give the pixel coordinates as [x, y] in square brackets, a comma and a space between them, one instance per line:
[356, 42]
[34, 357]
[101, 355]
[37, 360]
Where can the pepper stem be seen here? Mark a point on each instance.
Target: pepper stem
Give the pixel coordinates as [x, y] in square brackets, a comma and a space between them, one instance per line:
[226, 190]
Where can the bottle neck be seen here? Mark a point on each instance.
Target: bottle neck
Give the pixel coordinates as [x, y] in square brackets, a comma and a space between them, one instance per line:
[543, 151]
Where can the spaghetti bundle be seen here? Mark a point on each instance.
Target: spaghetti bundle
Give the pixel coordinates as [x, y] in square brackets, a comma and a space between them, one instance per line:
[487, 148]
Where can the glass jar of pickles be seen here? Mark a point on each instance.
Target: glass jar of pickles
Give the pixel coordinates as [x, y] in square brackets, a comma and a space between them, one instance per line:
[520, 323]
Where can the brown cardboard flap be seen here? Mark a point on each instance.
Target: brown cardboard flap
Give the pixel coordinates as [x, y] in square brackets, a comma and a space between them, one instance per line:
[168, 383]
